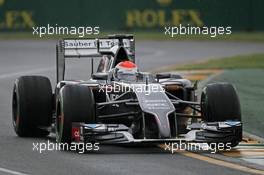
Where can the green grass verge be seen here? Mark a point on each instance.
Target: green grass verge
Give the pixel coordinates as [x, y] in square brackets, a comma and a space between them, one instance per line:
[235, 36]
[236, 62]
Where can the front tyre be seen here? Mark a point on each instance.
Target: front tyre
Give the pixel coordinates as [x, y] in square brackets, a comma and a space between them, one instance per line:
[75, 103]
[219, 102]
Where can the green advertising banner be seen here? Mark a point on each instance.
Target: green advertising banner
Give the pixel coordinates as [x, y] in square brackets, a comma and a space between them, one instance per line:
[127, 15]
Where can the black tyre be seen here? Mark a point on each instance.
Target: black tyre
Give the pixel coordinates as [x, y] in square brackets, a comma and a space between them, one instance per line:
[32, 106]
[75, 104]
[219, 102]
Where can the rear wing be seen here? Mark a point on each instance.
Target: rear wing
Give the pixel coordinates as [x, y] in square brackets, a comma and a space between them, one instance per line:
[91, 48]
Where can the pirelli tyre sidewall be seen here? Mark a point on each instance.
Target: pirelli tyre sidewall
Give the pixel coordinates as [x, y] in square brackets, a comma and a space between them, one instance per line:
[32, 106]
[220, 102]
[75, 103]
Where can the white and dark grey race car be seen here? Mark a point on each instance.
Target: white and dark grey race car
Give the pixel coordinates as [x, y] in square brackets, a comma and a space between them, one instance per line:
[148, 109]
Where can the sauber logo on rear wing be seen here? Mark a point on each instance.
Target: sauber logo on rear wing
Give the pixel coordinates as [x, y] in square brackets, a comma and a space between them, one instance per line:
[94, 47]
[92, 43]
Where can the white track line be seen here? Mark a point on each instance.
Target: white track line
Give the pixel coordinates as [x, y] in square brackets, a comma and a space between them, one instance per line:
[33, 71]
[25, 72]
[4, 170]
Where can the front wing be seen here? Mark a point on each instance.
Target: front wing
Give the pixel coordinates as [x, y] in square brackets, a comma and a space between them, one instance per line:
[218, 132]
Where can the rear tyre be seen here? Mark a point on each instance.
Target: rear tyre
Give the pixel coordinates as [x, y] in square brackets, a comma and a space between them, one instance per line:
[219, 102]
[32, 106]
[75, 104]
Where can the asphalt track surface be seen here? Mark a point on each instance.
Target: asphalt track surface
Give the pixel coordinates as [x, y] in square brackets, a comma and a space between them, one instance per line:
[38, 58]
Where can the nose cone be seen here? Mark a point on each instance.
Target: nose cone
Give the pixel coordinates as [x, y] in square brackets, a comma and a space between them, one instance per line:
[159, 105]
[163, 125]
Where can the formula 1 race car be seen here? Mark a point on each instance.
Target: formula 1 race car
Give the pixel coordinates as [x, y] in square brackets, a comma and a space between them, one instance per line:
[123, 107]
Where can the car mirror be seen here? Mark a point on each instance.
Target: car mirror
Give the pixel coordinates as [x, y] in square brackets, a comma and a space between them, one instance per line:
[100, 76]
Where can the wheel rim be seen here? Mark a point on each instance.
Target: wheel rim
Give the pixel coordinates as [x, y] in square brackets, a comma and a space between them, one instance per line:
[15, 116]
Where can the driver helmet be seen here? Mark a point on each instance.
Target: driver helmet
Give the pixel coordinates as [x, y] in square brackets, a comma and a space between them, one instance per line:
[126, 71]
